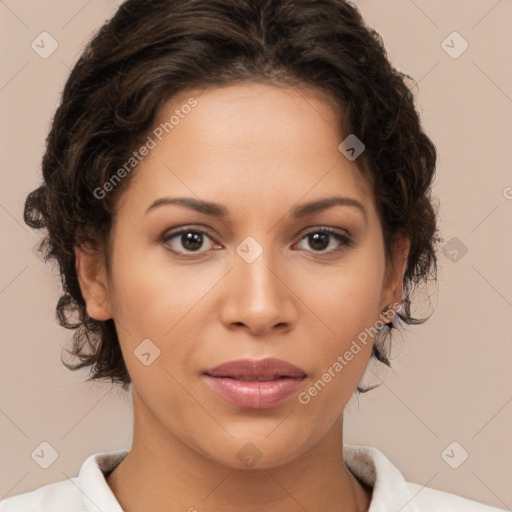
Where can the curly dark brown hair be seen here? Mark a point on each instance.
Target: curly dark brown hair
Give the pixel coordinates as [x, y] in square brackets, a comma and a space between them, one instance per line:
[152, 49]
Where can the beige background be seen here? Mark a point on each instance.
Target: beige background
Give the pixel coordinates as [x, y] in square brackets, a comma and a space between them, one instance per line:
[451, 377]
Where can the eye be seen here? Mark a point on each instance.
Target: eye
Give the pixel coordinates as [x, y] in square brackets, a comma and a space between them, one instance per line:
[187, 241]
[321, 239]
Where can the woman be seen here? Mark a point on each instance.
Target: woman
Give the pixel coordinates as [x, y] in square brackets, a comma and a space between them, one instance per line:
[237, 194]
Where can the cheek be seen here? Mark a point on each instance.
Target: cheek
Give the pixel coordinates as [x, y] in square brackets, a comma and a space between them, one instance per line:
[164, 302]
[346, 299]
[342, 352]
[347, 296]
[152, 294]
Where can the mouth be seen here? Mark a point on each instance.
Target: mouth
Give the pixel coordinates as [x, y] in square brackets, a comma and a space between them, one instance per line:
[255, 379]
[255, 384]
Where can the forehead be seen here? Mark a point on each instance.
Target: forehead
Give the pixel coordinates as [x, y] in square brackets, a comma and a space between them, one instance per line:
[248, 142]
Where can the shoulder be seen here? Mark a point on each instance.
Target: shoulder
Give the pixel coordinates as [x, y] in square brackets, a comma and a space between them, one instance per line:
[392, 492]
[433, 500]
[78, 494]
[57, 497]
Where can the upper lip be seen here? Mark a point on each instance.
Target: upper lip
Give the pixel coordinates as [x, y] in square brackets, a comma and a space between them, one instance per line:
[256, 368]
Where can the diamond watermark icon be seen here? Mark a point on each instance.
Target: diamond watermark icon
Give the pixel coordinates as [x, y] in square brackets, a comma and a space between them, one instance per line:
[146, 352]
[454, 249]
[249, 454]
[44, 45]
[249, 249]
[454, 455]
[454, 45]
[351, 147]
[44, 455]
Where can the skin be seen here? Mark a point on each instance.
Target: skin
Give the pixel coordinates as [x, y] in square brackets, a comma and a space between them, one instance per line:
[259, 150]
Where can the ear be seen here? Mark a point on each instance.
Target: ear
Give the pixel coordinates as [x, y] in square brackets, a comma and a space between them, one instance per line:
[395, 270]
[92, 277]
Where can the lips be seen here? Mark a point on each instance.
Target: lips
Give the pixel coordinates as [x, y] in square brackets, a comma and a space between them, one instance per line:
[251, 369]
[255, 384]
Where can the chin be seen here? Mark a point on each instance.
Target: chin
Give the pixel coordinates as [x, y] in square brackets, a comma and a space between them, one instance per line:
[258, 451]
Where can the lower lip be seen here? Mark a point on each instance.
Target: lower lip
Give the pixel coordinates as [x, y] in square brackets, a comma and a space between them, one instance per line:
[255, 394]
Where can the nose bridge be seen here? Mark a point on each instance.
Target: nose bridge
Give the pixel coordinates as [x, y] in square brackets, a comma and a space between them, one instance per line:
[257, 297]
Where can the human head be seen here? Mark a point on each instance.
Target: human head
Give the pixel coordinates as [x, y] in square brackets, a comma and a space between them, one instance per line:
[150, 52]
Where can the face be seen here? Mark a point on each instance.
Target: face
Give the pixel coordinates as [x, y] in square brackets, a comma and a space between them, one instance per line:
[286, 261]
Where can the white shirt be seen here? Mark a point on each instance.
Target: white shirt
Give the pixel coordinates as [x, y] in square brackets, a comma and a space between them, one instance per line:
[90, 492]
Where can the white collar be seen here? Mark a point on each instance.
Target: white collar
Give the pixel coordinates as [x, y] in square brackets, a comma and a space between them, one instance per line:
[366, 463]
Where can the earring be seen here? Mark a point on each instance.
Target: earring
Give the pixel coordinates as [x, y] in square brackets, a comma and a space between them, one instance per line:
[387, 311]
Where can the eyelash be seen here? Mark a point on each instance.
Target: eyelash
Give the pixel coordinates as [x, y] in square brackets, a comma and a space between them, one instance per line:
[345, 240]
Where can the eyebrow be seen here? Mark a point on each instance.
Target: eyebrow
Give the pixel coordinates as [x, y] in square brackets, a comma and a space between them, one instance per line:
[217, 210]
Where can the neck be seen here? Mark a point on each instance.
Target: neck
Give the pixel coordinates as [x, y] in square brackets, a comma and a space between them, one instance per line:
[160, 469]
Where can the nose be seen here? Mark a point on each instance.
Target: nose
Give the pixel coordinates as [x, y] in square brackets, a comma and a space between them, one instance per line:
[258, 298]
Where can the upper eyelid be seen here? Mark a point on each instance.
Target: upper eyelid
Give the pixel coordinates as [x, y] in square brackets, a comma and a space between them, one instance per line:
[305, 231]
[183, 229]
[330, 229]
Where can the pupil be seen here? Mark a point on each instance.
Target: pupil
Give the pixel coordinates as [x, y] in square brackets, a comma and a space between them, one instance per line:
[192, 240]
[319, 240]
